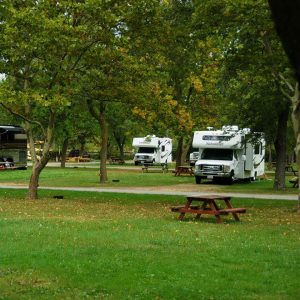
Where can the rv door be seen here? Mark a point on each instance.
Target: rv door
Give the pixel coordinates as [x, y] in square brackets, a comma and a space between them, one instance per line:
[249, 163]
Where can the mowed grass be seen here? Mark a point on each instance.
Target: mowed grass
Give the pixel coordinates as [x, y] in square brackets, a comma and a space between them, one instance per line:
[108, 246]
[89, 177]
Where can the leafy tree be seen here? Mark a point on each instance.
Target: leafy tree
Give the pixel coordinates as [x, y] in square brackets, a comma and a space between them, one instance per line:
[182, 93]
[252, 59]
[76, 128]
[288, 27]
[42, 45]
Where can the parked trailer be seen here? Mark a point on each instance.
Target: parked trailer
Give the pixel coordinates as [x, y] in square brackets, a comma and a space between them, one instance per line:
[228, 154]
[13, 147]
[152, 150]
[193, 157]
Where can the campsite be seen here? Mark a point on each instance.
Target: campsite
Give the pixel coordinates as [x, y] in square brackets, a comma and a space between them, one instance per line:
[149, 149]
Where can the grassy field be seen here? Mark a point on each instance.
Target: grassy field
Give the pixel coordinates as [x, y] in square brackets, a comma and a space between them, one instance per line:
[88, 177]
[107, 246]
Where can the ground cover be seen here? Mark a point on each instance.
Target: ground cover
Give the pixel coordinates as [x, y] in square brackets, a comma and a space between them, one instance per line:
[108, 246]
[88, 177]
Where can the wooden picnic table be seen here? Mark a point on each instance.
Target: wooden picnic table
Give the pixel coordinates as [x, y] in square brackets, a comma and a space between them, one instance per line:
[209, 206]
[117, 160]
[184, 170]
[164, 167]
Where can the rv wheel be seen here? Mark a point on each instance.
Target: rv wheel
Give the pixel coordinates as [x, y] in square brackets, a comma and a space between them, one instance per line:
[229, 180]
[198, 179]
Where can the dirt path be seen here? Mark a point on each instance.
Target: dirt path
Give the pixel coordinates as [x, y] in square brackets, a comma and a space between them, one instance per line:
[175, 190]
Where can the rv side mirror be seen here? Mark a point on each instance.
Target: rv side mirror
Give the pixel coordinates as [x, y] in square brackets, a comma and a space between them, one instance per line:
[243, 157]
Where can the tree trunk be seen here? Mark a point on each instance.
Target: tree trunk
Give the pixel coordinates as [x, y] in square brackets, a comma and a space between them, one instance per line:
[82, 145]
[99, 114]
[34, 182]
[185, 149]
[121, 143]
[179, 152]
[296, 126]
[64, 153]
[280, 147]
[38, 164]
[104, 143]
[121, 151]
[182, 150]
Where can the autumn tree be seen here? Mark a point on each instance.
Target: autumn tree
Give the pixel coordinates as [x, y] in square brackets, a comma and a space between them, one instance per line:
[251, 64]
[42, 45]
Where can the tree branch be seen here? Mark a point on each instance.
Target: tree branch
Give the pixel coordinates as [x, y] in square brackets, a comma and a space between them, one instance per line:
[23, 117]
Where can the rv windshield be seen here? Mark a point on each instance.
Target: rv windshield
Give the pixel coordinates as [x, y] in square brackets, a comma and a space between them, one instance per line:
[217, 154]
[146, 150]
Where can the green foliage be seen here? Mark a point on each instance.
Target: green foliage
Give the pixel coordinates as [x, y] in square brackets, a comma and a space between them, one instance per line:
[252, 58]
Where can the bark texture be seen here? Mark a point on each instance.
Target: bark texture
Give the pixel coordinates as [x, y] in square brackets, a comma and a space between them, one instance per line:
[280, 147]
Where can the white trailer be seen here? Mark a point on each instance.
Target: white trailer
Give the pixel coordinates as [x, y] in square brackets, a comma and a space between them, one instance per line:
[194, 155]
[152, 150]
[228, 154]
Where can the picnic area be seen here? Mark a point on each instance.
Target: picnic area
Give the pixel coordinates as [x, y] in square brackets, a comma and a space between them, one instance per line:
[94, 245]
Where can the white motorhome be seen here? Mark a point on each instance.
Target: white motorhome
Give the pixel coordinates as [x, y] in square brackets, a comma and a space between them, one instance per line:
[194, 155]
[152, 150]
[228, 154]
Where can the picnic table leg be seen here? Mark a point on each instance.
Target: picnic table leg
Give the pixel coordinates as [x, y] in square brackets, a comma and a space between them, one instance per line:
[202, 207]
[187, 205]
[213, 205]
[235, 215]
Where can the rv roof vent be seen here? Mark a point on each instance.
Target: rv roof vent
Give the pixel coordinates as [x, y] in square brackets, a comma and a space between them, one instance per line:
[209, 128]
[246, 130]
[230, 128]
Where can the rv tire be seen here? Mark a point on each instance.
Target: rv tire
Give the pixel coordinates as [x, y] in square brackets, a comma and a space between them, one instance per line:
[229, 180]
[198, 179]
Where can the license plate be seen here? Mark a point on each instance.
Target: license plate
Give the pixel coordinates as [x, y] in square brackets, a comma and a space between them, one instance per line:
[210, 177]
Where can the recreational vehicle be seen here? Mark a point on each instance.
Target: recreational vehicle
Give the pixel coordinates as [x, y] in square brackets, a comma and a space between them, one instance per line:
[152, 150]
[13, 147]
[229, 154]
[194, 155]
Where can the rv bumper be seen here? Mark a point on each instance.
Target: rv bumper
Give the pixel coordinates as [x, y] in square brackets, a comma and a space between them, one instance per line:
[213, 174]
[213, 171]
[141, 159]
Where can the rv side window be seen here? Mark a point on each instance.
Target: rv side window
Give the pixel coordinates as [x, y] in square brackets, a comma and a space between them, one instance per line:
[257, 149]
[163, 148]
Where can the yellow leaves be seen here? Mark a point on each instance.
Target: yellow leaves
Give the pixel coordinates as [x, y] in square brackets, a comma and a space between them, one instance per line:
[184, 119]
[197, 83]
[169, 99]
[139, 112]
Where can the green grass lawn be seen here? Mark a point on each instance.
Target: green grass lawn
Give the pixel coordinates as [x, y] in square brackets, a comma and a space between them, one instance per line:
[89, 177]
[108, 246]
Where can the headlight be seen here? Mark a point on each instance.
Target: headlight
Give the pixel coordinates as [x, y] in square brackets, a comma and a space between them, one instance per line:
[226, 168]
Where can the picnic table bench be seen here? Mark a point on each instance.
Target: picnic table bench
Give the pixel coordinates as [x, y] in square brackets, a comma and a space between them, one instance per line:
[295, 181]
[117, 160]
[146, 167]
[184, 170]
[209, 206]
